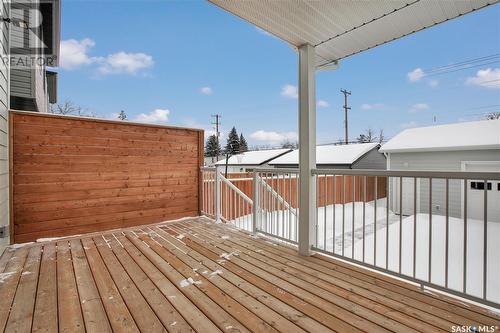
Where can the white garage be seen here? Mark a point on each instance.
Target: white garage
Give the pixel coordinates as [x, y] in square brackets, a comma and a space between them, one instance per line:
[467, 146]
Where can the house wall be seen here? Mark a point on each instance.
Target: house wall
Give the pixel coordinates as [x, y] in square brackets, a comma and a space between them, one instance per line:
[4, 125]
[371, 160]
[76, 175]
[21, 78]
[436, 161]
[28, 83]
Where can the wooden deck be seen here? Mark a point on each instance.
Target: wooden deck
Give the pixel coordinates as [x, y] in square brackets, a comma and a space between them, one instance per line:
[194, 275]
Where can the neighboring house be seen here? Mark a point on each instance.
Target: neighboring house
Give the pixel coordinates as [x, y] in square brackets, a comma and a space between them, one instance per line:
[468, 146]
[251, 159]
[33, 87]
[353, 156]
[210, 161]
[21, 88]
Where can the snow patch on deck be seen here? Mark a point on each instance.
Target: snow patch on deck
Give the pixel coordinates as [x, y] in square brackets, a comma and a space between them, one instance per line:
[187, 282]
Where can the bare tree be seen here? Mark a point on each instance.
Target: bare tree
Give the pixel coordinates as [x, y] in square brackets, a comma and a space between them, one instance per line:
[367, 137]
[289, 145]
[492, 116]
[381, 136]
[70, 108]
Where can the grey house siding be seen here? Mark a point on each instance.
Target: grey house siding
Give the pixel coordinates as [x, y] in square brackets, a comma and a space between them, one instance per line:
[436, 161]
[4, 126]
[371, 160]
[28, 87]
[20, 77]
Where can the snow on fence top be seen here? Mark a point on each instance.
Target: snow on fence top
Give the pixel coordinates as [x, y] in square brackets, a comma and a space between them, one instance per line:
[484, 134]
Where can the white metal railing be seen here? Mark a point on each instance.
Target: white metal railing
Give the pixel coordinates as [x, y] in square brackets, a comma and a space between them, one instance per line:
[421, 226]
[224, 201]
[236, 206]
[208, 192]
[276, 197]
[438, 229]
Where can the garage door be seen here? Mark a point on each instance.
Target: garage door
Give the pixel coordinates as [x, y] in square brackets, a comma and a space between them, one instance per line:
[475, 192]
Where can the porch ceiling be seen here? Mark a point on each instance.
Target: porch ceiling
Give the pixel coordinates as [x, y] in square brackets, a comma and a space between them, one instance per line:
[339, 28]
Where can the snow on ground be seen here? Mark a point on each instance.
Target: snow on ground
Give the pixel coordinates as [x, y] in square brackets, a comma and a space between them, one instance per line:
[281, 223]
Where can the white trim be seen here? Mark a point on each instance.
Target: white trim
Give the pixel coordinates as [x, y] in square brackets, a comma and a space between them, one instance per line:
[307, 149]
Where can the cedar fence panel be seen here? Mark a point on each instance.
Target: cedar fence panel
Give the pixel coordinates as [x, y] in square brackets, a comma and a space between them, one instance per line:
[287, 188]
[75, 175]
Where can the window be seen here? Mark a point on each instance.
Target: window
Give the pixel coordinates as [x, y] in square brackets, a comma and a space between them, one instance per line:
[479, 186]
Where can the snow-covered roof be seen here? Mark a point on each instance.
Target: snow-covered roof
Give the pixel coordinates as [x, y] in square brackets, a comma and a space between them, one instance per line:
[329, 154]
[484, 134]
[257, 157]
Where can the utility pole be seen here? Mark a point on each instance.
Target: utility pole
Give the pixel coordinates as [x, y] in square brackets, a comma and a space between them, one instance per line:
[346, 109]
[217, 123]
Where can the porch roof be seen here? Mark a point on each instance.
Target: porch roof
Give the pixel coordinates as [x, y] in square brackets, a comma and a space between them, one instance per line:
[338, 29]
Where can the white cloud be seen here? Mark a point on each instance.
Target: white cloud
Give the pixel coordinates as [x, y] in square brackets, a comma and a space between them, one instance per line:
[74, 53]
[375, 106]
[487, 78]
[273, 137]
[154, 117]
[409, 124]
[415, 75]
[290, 91]
[125, 63]
[419, 107]
[323, 104]
[206, 90]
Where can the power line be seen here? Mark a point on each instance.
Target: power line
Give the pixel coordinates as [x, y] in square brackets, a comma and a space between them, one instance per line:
[463, 63]
[217, 124]
[462, 68]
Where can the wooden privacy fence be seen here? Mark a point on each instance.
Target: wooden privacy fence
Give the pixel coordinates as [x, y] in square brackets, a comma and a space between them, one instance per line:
[231, 206]
[75, 175]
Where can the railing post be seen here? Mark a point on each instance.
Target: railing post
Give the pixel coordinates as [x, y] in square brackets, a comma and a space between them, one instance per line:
[217, 195]
[255, 210]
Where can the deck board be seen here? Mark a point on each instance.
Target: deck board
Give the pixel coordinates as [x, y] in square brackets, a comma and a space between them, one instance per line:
[197, 276]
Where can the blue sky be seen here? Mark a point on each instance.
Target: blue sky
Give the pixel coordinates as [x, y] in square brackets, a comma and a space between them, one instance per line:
[178, 62]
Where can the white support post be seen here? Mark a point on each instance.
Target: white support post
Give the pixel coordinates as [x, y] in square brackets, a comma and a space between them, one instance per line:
[217, 196]
[307, 149]
[255, 212]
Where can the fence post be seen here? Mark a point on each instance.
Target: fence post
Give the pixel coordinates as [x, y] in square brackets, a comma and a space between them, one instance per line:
[217, 195]
[255, 212]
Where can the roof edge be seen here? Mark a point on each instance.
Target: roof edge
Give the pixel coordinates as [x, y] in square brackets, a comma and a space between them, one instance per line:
[456, 148]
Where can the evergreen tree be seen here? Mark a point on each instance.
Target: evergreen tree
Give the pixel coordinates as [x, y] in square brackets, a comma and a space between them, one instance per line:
[212, 147]
[233, 142]
[122, 115]
[243, 144]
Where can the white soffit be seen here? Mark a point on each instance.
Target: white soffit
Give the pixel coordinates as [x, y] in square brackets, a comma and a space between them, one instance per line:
[341, 28]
